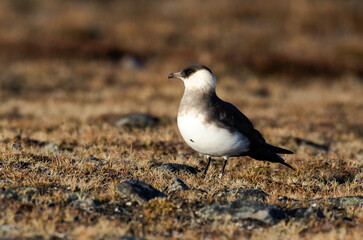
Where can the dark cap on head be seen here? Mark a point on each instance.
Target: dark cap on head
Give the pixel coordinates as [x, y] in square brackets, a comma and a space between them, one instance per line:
[188, 71]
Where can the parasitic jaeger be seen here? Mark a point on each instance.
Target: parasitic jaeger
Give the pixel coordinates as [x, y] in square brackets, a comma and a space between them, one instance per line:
[217, 128]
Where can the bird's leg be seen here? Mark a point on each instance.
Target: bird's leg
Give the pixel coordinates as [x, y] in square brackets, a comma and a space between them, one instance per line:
[224, 165]
[206, 166]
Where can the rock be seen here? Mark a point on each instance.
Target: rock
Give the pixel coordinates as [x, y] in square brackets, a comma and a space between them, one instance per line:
[243, 210]
[51, 147]
[60, 236]
[176, 167]
[30, 190]
[283, 199]
[136, 120]
[87, 204]
[19, 193]
[130, 237]
[340, 202]
[306, 213]
[241, 194]
[7, 231]
[123, 237]
[9, 195]
[138, 191]
[27, 190]
[17, 146]
[82, 201]
[343, 202]
[73, 196]
[122, 211]
[177, 185]
[8, 227]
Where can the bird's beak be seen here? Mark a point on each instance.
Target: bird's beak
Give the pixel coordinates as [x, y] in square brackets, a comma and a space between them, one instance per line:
[175, 75]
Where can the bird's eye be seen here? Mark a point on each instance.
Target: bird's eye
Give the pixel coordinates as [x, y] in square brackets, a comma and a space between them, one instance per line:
[188, 72]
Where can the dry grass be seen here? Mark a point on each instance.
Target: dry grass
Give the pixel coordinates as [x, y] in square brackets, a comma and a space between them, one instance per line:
[65, 87]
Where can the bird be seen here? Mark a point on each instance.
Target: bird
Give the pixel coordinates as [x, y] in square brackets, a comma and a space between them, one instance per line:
[217, 128]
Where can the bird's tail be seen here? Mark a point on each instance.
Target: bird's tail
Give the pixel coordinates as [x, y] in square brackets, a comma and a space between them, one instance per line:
[269, 154]
[278, 149]
[282, 161]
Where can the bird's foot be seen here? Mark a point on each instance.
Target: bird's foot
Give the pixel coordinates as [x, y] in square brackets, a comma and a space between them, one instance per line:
[223, 167]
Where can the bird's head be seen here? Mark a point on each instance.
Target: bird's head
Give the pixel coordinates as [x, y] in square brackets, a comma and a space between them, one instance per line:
[196, 77]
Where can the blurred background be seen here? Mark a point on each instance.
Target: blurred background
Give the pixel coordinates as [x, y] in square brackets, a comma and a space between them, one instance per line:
[302, 37]
[62, 58]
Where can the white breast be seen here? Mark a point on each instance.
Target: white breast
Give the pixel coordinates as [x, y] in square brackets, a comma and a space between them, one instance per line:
[209, 139]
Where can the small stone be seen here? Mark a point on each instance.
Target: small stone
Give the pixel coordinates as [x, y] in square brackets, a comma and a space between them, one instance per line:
[17, 146]
[87, 204]
[175, 167]
[343, 202]
[9, 195]
[51, 147]
[75, 196]
[340, 202]
[130, 237]
[241, 194]
[177, 185]
[243, 210]
[136, 120]
[137, 191]
[22, 193]
[7, 228]
[306, 213]
[59, 236]
[80, 200]
[30, 190]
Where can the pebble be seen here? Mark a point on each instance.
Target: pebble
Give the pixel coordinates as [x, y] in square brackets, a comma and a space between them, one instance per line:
[176, 168]
[136, 120]
[177, 185]
[137, 191]
[243, 210]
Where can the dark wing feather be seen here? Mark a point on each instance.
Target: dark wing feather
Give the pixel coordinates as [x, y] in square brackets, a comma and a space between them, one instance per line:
[228, 115]
[225, 113]
[279, 150]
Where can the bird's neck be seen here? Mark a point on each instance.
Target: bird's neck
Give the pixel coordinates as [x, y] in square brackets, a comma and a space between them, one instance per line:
[195, 100]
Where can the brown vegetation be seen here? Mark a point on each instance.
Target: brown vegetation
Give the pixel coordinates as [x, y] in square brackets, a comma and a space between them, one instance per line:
[69, 69]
